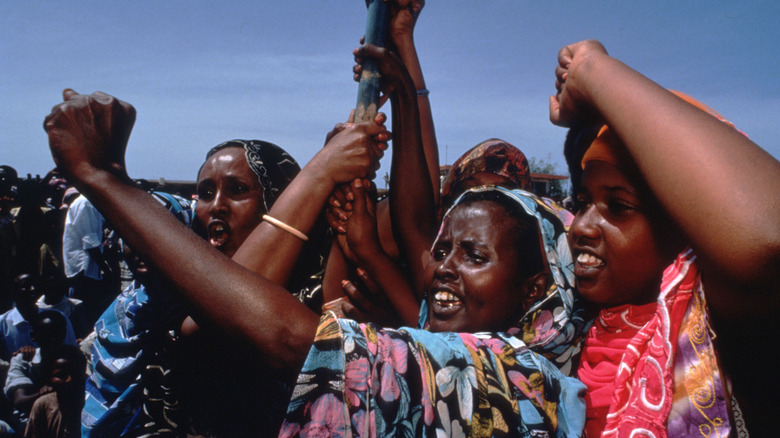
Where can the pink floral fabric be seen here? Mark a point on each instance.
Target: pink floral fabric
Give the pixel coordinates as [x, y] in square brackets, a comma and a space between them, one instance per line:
[362, 381]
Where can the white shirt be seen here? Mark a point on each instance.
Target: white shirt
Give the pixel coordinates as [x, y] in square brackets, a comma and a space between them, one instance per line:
[83, 231]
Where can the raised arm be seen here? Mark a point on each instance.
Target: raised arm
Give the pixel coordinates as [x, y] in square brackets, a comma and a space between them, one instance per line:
[404, 19]
[716, 184]
[404, 15]
[351, 153]
[88, 136]
[412, 204]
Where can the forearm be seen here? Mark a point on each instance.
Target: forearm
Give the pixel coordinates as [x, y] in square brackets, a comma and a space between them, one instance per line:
[407, 51]
[352, 153]
[22, 400]
[271, 251]
[389, 277]
[412, 205]
[717, 185]
[241, 302]
[336, 271]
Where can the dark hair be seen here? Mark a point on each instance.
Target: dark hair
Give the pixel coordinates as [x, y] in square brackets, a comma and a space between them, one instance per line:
[578, 140]
[77, 362]
[525, 233]
[8, 175]
[50, 326]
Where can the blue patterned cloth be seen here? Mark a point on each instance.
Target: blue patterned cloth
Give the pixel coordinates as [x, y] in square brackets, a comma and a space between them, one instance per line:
[129, 333]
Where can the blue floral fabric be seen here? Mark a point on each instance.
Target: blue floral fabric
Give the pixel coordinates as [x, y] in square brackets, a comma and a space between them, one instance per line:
[359, 380]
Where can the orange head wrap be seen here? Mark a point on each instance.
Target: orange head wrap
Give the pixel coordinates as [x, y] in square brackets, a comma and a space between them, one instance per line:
[609, 148]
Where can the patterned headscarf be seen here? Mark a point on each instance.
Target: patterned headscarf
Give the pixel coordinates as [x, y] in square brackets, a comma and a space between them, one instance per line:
[491, 156]
[274, 167]
[553, 325]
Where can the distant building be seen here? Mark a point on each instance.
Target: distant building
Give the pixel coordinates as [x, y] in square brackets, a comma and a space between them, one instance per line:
[548, 185]
[183, 188]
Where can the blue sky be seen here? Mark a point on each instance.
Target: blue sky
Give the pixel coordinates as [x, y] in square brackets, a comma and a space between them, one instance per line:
[201, 72]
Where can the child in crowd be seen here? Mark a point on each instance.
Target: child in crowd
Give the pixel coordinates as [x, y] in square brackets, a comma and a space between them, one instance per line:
[27, 378]
[58, 413]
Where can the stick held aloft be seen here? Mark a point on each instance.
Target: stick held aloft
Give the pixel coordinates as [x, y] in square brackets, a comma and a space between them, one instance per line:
[377, 24]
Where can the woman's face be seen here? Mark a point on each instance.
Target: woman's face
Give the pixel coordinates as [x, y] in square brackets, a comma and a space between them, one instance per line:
[472, 281]
[230, 199]
[615, 239]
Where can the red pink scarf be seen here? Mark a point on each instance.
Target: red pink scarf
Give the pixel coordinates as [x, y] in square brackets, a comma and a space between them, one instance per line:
[657, 368]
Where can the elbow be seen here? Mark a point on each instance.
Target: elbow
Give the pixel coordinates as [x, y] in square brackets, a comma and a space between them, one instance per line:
[767, 259]
[759, 269]
[293, 342]
[755, 251]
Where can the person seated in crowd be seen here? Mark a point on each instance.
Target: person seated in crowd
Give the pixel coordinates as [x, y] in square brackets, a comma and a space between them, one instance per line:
[27, 379]
[677, 251]
[58, 413]
[8, 238]
[55, 296]
[16, 324]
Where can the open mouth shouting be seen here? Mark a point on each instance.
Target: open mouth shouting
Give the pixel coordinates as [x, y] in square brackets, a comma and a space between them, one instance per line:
[219, 234]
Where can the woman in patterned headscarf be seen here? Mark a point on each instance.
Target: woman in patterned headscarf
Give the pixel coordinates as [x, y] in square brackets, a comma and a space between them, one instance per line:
[237, 184]
[499, 264]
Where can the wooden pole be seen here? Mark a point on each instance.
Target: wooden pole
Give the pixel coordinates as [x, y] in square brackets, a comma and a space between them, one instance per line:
[377, 24]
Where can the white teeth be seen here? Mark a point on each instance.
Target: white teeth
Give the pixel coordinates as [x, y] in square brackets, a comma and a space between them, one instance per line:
[445, 296]
[588, 259]
[446, 299]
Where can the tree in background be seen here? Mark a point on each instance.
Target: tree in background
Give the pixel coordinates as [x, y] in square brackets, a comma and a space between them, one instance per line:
[546, 166]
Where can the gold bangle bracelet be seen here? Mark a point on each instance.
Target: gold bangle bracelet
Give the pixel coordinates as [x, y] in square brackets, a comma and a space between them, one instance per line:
[283, 226]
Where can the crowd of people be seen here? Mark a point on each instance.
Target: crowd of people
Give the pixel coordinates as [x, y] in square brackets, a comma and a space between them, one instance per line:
[293, 301]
